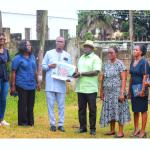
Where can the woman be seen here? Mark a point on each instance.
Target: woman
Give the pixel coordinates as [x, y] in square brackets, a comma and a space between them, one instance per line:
[4, 78]
[115, 106]
[24, 82]
[139, 68]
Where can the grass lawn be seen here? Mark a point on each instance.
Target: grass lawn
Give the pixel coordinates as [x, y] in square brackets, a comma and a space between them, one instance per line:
[41, 128]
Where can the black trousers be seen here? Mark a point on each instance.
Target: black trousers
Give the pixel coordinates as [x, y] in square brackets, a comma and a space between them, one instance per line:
[83, 100]
[25, 106]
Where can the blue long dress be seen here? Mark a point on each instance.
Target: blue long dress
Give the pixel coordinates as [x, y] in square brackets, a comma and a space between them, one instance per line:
[139, 104]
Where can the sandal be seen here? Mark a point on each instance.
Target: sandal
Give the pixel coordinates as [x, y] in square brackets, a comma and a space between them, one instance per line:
[119, 136]
[110, 133]
[136, 133]
[143, 136]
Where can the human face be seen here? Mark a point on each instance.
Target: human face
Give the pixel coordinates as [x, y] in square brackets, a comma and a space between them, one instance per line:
[2, 40]
[60, 43]
[87, 49]
[28, 45]
[111, 54]
[136, 51]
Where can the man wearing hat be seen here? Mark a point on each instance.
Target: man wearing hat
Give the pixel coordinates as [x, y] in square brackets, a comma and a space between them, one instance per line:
[89, 66]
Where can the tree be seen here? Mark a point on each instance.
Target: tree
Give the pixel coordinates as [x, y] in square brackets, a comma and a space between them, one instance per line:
[115, 20]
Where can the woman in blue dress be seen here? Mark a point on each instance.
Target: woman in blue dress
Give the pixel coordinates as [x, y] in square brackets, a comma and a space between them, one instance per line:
[139, 68]
[23, 80]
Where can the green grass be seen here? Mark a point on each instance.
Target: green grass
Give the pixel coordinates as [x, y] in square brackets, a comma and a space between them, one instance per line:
[41, 128]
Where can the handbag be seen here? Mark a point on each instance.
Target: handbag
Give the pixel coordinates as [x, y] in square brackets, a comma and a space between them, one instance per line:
[136, 88]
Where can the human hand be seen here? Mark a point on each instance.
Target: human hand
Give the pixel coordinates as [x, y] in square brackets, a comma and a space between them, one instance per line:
[38, 87]
[121, 98]
[147, 83]
[76, 75]
[102, 96]
[68, 80]
[12, 90]
[129, 95]
[141, 94]
[52, 65]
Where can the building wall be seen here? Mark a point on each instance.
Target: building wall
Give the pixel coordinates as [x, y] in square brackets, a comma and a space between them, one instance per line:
[18, 22]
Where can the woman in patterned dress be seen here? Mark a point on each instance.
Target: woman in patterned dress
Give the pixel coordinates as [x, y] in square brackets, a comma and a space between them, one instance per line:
[115, 106]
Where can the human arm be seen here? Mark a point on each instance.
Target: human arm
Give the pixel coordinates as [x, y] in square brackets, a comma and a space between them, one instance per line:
[13, 82]
[123, 75]
[101, 87]
[45, 63]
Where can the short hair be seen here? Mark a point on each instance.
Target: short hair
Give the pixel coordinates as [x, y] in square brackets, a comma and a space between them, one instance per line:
[143, 49]
[114, 48]
[22, 46]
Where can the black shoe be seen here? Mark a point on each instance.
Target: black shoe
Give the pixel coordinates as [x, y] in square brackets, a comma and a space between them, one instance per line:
[81, 131]
[53, 128]
[92, 132]
[61, 128]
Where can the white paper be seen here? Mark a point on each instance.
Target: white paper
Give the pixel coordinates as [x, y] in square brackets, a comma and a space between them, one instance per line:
[63, 71]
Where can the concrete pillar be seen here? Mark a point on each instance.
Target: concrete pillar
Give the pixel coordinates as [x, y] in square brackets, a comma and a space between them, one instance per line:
[1, 27]
[27, 33]
[39, 24]
[6, 32]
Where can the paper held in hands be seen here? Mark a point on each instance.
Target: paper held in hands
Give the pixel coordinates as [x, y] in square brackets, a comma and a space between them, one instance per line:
[63, 71]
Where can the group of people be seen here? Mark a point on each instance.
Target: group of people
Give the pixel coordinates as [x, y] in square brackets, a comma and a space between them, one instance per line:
[112, 75]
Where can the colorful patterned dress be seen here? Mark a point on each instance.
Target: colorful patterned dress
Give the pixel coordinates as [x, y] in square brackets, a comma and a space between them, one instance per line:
[112, 109]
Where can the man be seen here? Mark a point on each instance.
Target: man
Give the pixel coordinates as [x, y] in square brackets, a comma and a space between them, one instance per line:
[55, 89]
[89, 66]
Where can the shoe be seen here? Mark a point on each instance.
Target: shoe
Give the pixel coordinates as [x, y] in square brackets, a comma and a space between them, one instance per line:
[61, 128]
[119, 136]
[110, 133]
[81, 131]
[53, 128]
[92, 132]
[142, 136]
[4, 123]
[136, 133]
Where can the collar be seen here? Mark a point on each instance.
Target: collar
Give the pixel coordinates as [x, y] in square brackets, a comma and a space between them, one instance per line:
[90, 55]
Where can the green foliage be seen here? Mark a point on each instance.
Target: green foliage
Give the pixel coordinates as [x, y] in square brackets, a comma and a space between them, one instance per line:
[88, 36]
[12, 55]
[116, 19]
[86, 18]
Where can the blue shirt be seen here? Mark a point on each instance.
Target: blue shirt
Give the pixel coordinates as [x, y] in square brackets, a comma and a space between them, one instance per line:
[25, 71]
[52, 56]
[138, 71]
[4, 59]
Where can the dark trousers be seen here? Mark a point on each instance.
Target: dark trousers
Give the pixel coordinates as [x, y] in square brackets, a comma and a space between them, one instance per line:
[25, 106]
[83, 100]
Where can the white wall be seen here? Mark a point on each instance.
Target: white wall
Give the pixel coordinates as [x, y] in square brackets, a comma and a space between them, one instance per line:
[18, 22]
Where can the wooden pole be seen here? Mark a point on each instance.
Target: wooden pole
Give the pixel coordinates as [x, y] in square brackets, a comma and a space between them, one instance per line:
[131, 29]
[41, 33]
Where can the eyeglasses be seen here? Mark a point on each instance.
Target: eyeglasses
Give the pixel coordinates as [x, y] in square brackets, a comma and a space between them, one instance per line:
[111, 53]
[60, 41]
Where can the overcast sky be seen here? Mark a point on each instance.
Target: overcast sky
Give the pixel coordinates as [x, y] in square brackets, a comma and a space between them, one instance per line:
[68, 8]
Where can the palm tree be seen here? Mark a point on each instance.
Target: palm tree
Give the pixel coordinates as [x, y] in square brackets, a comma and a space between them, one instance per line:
[92, 21]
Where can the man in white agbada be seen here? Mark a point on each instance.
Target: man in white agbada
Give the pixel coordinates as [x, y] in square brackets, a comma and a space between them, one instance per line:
[55, 89]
